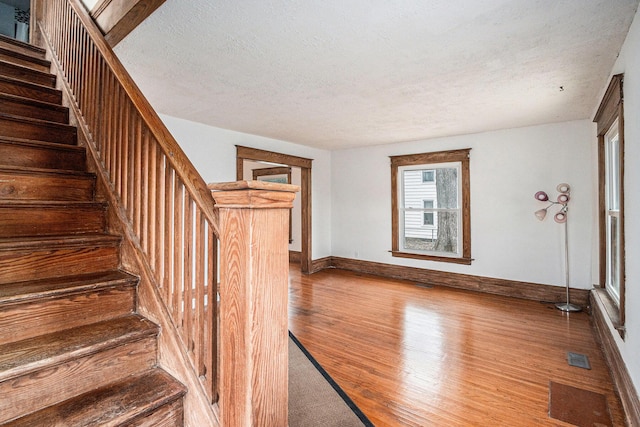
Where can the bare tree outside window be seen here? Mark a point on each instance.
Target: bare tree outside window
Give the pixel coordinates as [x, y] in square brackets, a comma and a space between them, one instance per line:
[447, 190]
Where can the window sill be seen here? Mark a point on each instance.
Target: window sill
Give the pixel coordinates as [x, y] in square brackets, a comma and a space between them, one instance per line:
[612, 309]
[465, 261]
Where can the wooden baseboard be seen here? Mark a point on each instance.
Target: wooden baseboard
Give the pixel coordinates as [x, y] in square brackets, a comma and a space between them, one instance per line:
[295, 256]
[622, 380]
[320, 264]
[510, 288]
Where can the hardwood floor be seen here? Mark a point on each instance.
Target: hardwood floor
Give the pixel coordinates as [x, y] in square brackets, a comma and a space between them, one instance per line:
[416, 356]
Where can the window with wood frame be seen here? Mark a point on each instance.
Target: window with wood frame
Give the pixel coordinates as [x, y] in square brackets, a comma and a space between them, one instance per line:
[610, 125]
[430, 206]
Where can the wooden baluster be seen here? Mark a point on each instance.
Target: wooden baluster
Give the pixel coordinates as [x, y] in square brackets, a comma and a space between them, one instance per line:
[90, 95]
[156, 214]
[168, 234]
[211, 320]
[125, 155]
[188, 273]
[84, 76]
[254, 235]
[199, 320]
[172, 220]
[129, 178]
[146, 191]
[178, 251]
[139, 182]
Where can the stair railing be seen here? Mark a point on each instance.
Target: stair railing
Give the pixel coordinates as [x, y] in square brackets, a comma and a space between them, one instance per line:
[169, 212]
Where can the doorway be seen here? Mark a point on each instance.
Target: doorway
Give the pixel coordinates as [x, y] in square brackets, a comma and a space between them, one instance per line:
[284, 160]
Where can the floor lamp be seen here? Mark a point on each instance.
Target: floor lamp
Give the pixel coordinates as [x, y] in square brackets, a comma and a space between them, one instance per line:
[560, 217]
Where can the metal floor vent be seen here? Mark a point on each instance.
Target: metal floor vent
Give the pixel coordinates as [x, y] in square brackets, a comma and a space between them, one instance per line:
[578, 360]
[424, 285]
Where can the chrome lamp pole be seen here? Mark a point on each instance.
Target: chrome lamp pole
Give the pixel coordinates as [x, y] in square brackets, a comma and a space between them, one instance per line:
[561, 218]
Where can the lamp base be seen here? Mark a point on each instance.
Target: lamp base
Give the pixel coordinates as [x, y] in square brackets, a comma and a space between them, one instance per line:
[568, 307]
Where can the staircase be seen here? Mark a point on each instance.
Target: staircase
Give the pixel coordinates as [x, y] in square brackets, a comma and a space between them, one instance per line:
[73, 351]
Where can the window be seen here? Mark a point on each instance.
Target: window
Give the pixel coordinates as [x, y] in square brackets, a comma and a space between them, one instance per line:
[610, 124]
[428, 176]
[612, 210]
[428, 215]
[431, 206]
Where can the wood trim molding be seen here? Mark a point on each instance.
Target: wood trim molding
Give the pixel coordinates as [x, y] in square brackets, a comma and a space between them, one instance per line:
[608, 109]
[321, 264]
[117, 18]
[281, 170]
[462, 156]
[99, 7]
[294, 256]
[273, 157]
[621, 378]
[247, 153]
[611, 108]
[509, 288]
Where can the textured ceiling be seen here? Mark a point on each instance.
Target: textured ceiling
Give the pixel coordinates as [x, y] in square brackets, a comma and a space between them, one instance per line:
[345, 73]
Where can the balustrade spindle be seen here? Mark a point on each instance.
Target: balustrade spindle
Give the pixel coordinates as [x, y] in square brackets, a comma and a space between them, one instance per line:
[169, 209]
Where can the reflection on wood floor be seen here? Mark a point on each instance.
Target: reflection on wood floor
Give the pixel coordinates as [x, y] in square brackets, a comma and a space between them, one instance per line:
[419, 356]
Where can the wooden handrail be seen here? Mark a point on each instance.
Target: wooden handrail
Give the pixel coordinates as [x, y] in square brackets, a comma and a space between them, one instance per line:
[165, 208]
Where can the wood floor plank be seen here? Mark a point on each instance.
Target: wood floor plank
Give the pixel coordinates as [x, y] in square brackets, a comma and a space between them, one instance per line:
[415, 356]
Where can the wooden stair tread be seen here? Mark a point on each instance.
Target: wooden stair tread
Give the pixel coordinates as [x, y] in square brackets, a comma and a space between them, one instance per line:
[33, 102]
[73, 351]
[22, 56]
[26, 46]
[26, 127]
[18, 152]
[57, 242]
[40, 144]
[26, 170]
[114, 405]
[44, 204]
[31, 183]
[37, 122]
[12, 293]
[22, 357]
[50, 93]
[27, 74]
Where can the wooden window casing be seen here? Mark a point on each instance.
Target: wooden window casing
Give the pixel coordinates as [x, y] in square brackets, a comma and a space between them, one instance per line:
[611, 110]
[461, 156]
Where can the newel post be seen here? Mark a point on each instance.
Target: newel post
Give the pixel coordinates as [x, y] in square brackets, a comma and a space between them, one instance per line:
[254, 272]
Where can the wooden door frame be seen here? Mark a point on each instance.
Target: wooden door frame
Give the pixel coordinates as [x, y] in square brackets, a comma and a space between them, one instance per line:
[246, 153]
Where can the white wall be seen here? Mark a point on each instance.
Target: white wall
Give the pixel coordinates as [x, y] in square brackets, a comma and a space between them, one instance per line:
[213, 152]
[507, 168]
[629, 63]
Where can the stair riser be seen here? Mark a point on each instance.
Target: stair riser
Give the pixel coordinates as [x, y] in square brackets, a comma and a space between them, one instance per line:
[31, 156]
[17, 108]
[23, 48]
[48, 221]
[43, 187]
[39, 93]
[40, 131]
[16, 266]
[19, 59]
[27, 74]
[45, 316]
[169, 415]
[58, 383]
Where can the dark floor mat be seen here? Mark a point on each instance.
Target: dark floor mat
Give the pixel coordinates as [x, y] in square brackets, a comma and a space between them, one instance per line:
[579, 407]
